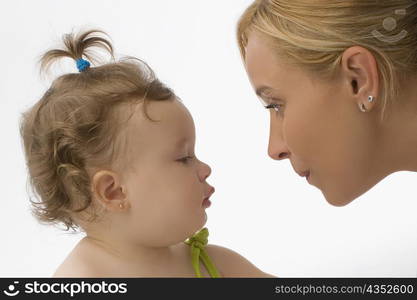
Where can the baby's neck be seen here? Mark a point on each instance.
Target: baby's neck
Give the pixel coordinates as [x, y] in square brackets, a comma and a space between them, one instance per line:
[131, 254]
[99, 259]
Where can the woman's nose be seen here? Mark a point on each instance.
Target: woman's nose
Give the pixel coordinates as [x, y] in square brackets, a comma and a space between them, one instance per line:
[276, 151]
[277, 147]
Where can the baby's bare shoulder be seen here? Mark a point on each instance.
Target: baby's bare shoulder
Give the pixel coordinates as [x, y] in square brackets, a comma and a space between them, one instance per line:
[75, 267]
[80, 262]
[232, 264]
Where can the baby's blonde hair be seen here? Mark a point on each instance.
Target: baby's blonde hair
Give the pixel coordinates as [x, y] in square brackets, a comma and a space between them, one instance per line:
[76, 125]
[314, 35]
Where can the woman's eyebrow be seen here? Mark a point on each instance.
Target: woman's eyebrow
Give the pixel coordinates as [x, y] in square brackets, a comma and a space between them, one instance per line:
[262, 89]
[261, 93]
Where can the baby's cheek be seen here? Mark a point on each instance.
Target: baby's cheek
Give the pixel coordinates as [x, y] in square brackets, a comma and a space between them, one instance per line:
[193, 196]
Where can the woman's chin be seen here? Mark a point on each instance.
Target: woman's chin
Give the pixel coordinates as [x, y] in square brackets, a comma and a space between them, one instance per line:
[338, 198]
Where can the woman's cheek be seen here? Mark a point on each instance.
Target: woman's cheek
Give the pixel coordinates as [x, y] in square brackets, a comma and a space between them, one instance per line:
[300, 134]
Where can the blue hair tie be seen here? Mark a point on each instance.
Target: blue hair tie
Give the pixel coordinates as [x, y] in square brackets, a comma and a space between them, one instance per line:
[82, 64]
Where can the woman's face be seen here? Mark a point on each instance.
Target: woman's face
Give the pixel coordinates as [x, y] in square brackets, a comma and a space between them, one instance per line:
[319, 127]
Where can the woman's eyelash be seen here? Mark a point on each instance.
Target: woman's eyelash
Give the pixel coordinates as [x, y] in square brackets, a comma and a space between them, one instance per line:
[276, 107]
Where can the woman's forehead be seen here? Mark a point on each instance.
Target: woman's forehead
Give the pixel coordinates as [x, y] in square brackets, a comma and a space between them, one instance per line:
[266, 70]
[261, 63]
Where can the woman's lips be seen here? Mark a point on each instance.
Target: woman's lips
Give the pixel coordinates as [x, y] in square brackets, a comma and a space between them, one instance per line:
[304, 173]
[308, 177]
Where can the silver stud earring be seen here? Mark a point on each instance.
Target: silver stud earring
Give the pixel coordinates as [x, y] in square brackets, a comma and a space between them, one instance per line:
[362, 106]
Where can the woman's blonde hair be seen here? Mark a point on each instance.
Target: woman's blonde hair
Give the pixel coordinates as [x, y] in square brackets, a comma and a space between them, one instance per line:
[76, 125]
[314, 35]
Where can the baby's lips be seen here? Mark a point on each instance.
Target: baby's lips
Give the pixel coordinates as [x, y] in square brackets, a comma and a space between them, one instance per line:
[210, 192]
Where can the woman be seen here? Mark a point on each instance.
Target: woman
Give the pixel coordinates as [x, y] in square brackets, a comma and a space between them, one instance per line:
[340, 80]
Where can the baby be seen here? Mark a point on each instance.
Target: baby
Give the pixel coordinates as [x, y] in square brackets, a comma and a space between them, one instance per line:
[110, 152]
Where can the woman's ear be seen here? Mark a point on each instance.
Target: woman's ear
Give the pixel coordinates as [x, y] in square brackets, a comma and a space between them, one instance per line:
[360, 69]
[108, 191]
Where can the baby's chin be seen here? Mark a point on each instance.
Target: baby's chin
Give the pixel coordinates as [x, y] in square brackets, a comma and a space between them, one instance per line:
[192, 227]
[178, 229]
[201, 223]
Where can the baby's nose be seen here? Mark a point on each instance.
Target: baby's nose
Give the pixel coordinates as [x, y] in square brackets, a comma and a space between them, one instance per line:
[205, 171]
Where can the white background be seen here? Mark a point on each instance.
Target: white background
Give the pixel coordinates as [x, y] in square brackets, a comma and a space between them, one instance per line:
[261, 208]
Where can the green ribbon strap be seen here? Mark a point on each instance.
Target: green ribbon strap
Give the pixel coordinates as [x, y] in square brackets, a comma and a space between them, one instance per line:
[197, 243]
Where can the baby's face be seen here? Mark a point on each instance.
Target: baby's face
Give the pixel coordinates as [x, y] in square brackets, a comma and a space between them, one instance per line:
[167, 188]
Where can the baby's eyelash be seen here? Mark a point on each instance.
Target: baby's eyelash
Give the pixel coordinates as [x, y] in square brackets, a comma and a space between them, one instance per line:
[276, 107]
[185, 159]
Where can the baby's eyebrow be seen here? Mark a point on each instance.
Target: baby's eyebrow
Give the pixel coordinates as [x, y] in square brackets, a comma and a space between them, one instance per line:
[179, 143]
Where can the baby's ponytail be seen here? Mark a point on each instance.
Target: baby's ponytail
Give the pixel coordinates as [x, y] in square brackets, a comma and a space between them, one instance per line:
[78, 46]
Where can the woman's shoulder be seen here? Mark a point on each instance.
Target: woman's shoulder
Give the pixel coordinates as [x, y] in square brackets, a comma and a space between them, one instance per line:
[232, 264]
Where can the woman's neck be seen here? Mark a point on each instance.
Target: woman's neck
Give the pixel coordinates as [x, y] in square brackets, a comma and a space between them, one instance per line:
[398, 148]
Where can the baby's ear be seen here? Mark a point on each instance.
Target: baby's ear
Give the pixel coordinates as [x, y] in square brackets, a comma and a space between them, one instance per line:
[107, 190]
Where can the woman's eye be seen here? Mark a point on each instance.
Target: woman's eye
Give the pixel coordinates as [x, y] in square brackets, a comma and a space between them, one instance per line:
[276, 107]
